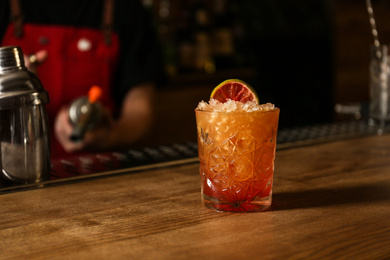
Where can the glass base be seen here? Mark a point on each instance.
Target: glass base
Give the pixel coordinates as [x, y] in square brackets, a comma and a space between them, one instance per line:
[380, 125]
[254, 205]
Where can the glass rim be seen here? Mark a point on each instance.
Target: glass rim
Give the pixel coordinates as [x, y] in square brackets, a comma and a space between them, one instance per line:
[237, 112]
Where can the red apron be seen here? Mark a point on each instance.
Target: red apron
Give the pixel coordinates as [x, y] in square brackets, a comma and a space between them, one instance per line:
[78, 59]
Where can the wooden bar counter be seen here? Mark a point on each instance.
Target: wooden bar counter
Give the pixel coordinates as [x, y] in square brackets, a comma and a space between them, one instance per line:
[331, 201]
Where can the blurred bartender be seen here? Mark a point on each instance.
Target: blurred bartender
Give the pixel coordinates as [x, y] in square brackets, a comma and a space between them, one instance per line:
[73, 45]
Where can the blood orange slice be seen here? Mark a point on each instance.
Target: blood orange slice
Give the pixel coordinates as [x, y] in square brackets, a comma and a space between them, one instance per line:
[236, 90]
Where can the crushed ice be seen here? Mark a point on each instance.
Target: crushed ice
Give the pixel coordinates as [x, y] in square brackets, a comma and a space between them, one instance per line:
[234, 106]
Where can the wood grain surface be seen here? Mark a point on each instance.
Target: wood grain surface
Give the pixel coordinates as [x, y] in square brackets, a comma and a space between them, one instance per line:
[331, 201]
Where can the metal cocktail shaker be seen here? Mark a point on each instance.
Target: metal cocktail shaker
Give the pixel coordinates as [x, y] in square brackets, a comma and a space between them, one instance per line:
[24, 133]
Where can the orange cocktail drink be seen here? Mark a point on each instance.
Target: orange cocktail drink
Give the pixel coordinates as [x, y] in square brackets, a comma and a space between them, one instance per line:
[236, 152]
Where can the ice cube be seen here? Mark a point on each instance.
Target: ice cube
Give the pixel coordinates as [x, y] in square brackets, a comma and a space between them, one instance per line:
[234, 106]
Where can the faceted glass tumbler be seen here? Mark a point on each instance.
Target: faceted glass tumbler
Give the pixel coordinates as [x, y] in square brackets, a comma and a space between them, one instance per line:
[236, 155]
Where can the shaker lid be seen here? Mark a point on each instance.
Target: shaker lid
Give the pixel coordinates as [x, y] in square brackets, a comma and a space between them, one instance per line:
[18, 86]
[11, 58]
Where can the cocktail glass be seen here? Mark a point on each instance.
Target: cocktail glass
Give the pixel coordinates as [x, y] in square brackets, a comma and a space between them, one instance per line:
[236, 154]
[380, 87]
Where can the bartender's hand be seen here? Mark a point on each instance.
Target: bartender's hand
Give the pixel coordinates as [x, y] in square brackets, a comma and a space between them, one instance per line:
[134, 121]
[98, 135]
[34, 60]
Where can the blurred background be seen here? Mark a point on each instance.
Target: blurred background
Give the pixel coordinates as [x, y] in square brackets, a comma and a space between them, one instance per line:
[304, 56]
